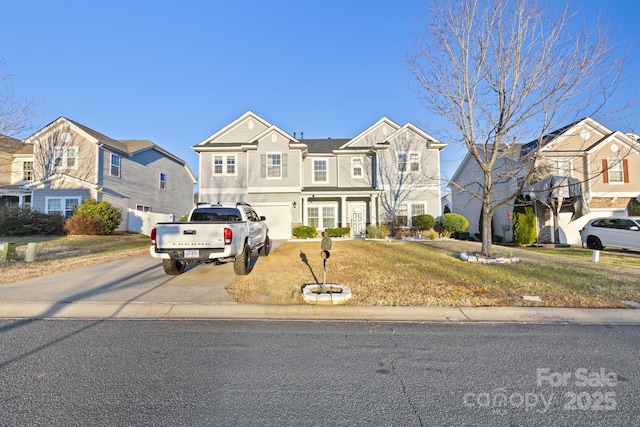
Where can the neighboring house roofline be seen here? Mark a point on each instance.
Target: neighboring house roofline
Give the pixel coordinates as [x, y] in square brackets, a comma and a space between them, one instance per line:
[431, 141]
[363, 134]
[139, 146]
[621, 137]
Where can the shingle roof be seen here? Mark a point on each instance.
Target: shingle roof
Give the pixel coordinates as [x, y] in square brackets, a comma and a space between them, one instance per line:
[323, 146]
[102, 138]
[533, 145]
[11, 145]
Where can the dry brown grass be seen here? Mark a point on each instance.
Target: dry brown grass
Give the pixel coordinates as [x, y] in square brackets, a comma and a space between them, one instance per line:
[56, 254]
[422, 274]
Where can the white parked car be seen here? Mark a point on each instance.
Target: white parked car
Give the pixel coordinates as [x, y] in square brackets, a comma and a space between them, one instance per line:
[613, 232]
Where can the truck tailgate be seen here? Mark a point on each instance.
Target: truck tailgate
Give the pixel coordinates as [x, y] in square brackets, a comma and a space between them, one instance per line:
[200, 235]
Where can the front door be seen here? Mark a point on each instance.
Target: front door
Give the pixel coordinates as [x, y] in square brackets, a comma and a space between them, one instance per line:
[358, 221]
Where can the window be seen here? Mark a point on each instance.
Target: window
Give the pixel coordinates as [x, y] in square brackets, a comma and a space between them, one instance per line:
[402, 163]
[322, 216]
[414, 161]
[224, 165]
[560, 167]
[401, 219]
[417, 209]
[410, 161]
[356, 167]
[115, 165]
[163, 181]
[27, 171]
[328, 217]
[319, 171]
[65, 157]
[273, 165]
[615, 170]
[143, 208]
[61, 205]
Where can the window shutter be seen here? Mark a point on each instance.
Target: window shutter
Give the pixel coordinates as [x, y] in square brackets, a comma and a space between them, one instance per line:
[605, 171]
[625, 170]
[284, 165]
[263, 165]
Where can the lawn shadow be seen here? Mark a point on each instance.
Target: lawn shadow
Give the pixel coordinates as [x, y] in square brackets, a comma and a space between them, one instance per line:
[304, 259]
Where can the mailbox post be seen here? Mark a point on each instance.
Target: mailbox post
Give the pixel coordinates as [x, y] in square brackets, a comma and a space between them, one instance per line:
[325, 247]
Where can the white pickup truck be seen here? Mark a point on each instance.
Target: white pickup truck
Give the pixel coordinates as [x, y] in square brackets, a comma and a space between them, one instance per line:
[214, 233]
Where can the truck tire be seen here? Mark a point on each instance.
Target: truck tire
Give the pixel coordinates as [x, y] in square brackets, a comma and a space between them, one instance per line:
[242, 263]
[265, 250]
[173, 267]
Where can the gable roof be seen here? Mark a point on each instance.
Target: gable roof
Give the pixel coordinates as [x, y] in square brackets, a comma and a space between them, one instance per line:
[14, 146]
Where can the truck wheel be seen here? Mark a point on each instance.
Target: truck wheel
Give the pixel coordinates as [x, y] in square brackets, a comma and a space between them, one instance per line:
[265, 250]
[242, 264]
[172, 267]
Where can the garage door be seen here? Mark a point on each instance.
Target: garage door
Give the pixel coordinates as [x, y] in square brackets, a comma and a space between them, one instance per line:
[278, 219]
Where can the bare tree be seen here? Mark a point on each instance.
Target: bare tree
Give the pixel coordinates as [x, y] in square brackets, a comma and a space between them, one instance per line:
[507, 70]
[15, 114]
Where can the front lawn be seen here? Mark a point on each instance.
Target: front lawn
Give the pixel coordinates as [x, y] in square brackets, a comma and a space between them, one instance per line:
[431, 273]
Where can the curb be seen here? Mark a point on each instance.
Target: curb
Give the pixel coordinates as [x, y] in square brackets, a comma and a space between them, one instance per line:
[188, 311]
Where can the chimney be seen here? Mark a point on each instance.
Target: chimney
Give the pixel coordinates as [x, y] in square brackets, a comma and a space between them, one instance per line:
[294, 134]
[301, 135]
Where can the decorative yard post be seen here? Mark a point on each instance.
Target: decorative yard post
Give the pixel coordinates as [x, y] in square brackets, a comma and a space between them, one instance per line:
[325, 245]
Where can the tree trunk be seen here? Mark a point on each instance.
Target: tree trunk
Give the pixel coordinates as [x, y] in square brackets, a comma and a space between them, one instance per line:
[486, 226]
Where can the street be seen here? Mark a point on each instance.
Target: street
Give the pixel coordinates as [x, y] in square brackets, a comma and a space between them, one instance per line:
[217, 372]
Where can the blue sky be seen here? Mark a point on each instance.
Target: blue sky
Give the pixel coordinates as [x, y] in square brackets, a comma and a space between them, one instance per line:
[176, 72]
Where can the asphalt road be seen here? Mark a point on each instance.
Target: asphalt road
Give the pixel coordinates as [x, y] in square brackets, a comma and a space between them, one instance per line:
[114, 372]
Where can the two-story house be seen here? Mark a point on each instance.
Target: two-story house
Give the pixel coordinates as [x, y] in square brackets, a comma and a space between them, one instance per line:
[65, 162]
[605, 164]
[386, 171]
[16, 169]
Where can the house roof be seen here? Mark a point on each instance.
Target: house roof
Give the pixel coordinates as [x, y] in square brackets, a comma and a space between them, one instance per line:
[546, 139]
[14, 146]
[324, 146]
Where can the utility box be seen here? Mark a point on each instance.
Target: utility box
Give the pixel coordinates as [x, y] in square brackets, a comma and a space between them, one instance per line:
[7, 251]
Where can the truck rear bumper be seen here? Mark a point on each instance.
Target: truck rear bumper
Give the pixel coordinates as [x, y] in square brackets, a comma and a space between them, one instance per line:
[199, 255]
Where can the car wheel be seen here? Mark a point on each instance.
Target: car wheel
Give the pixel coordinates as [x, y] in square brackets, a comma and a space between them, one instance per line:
[265, 250]
[594, 243]
[173, 267]
[242, 264]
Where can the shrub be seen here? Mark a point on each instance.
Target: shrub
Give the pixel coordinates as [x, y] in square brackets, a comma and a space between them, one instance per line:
[379, 231]
[305, 232]
[453, 222]
[82, 224]
[109, 217]
[24, 221]
[423, 222]
[634, 207]
[524, 227]
[338, 232]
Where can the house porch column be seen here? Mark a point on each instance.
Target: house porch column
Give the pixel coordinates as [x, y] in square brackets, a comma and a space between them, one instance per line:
[343, 211]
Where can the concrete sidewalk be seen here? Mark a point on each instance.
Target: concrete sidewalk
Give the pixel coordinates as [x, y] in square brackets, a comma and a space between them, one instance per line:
[137, 288]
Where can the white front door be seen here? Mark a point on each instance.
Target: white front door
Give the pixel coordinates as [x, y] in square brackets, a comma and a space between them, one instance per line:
[358, 220]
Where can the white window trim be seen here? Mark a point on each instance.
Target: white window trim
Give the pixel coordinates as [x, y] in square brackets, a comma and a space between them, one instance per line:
[408, 162]
[555, 170]
[619, 168]
[361, 176]
[65, 157]
[313, 170]
[225, 158]
[273, 153]
[143, 208]
[320, 206]
[63, 202]
[112, 155]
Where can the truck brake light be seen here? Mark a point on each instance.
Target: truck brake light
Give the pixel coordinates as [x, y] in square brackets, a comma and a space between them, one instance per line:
[153, 236]
[228, 234]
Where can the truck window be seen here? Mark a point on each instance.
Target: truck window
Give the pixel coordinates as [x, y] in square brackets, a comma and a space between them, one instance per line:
[216, 215]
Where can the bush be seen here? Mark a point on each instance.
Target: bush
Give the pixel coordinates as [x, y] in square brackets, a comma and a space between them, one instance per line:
[305, 232]
[82, 224]
[634, 207]
[24, 222]
[338, 232]
[423, 222]
[453, 222]
[379, 231]
[109, 217]
[524, 227]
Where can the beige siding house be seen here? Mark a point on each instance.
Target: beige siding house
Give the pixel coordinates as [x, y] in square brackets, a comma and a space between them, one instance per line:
[325, 183]
[604, 163]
